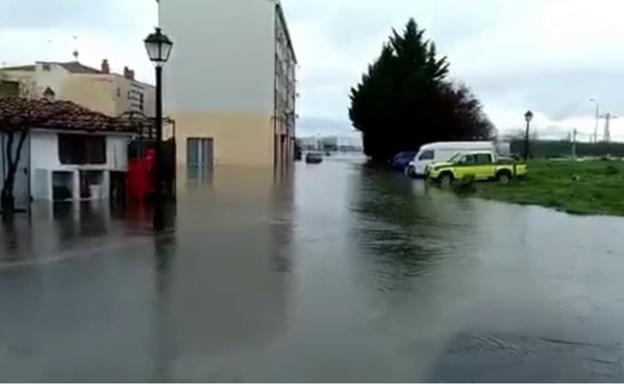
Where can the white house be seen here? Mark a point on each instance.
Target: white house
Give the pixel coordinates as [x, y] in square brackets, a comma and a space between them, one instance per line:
[69, 152]
[76, 165]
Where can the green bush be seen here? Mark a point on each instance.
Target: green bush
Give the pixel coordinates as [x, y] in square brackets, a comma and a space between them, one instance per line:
[611, 170]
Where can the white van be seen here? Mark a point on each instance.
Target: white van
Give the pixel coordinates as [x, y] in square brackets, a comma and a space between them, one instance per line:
[442, 151]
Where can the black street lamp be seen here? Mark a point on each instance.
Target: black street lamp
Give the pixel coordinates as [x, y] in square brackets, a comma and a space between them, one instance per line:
[158, 47]
[528, 116]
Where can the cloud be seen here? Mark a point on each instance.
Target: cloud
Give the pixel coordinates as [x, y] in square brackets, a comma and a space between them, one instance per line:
[550, 56]
[32, 30]
[76, 16]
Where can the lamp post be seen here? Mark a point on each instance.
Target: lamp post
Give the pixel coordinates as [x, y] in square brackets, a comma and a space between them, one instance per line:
[528, 116]
[158, 47]
[597, 119]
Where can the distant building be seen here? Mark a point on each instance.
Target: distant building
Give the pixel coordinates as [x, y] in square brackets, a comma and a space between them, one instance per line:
[309, 143]
[230, 81]
[97, 89]
[332, 143]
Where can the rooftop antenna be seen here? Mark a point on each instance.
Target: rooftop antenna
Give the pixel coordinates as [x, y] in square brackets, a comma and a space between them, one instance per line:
[75, 53]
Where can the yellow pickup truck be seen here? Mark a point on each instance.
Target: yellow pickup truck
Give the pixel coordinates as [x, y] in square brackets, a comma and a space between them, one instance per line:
[477, 165]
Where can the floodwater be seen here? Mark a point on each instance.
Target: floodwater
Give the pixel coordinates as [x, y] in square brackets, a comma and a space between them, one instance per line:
[329, 272]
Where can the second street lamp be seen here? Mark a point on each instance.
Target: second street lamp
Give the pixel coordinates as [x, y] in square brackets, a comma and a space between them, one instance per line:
[528, 116]
[158, 47]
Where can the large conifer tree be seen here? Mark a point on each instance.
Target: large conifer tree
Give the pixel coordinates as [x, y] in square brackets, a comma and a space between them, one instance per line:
[404, 99]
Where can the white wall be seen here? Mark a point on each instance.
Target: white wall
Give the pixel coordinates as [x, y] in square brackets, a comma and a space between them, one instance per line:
[44, 147]
[223, 55]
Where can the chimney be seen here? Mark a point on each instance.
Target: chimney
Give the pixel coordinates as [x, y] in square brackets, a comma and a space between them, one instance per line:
[105, 68]
[49, 94]
[128, 73]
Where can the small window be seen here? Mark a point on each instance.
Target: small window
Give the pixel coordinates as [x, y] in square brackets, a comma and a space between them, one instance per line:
[426, 155]
[483, 158]
[468, 160]
[118, 92]
[45, 66]
[81, 149]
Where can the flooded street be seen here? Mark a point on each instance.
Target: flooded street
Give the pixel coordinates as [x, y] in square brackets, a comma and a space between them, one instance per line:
[331, 272]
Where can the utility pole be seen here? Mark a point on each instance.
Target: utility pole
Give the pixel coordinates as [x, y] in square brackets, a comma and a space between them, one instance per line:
[528, 116]
[597, 119]
[607, 132]
[574, 144]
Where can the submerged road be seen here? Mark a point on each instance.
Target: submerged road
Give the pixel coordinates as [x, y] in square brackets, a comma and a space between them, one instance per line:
[331, 272]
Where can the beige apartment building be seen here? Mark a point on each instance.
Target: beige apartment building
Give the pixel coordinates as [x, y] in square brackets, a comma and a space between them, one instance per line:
[230, 81]
[97, 89]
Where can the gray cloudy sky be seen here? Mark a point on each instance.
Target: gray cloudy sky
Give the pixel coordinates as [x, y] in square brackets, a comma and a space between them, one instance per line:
[547, 55]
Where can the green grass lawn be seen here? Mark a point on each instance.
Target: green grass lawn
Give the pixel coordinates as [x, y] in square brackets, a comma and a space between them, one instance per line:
[590, 187]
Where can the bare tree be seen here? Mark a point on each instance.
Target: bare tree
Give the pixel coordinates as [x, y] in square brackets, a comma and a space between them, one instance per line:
[16, 132]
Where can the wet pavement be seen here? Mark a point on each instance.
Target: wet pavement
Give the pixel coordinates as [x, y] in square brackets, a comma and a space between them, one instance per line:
[331, 272]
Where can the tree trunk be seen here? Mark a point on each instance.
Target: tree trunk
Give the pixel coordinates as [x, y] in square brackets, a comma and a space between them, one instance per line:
[7, 199]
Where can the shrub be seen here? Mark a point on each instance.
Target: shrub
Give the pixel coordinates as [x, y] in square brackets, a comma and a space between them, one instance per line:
[611, 170]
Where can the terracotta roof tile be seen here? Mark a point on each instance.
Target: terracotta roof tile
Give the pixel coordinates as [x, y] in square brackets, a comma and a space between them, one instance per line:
[17, 112]
[29, 68]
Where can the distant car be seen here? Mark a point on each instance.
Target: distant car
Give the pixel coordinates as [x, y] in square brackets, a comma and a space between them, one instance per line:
[401, 160]
[314, 157]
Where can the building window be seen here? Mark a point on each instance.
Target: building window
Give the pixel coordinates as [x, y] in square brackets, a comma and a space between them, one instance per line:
[118, 92]
[199, 151]
[9, 88]
[45, 66]
[81, 149]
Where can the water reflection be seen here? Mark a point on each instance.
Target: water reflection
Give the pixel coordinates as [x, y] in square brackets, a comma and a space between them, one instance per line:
[9, 239]
[403, 229]
[222, 278]
[196, 175]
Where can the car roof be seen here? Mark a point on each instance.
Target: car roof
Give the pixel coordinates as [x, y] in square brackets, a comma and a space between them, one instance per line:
[475, 151]
[460, 145]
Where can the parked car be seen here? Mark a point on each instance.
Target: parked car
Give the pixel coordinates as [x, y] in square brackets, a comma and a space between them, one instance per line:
[441, 152]
[401, 160]
[478, 165]
[314, 157]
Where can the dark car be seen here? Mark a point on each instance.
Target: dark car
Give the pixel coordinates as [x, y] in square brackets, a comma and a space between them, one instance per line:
[401, 160]
[313, 157]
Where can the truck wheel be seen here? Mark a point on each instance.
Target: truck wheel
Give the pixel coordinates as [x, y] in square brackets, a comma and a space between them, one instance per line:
[446, 179]
[410, 171]
[503, 177]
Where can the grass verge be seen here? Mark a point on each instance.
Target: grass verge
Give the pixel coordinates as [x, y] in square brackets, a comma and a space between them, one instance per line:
[589, 187]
